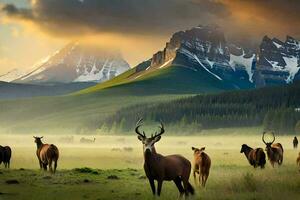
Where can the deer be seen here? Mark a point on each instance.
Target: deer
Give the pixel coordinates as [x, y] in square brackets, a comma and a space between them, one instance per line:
[202, 165]
[295, 142]
[256, 157]
[5, 155]
[161, 168]
[298, 161]
[274, 151]
[46, 154]
[85, 140]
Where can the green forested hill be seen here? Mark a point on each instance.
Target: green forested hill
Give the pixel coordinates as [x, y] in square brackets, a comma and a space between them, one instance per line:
[273, 107]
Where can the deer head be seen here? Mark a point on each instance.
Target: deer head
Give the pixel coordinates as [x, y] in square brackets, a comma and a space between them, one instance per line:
[268, 144]
[38, 139]
[198, 151]
[148, 143]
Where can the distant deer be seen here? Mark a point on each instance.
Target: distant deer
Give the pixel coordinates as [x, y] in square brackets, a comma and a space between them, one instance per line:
[85, 140]
[295, 142]
[256, 157]
[158, 167]
[46, 154]
[202, 165]
[274, 151]
[5, 155]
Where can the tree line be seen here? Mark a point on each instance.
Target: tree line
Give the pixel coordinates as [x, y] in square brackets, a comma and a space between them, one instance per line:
[273, 107]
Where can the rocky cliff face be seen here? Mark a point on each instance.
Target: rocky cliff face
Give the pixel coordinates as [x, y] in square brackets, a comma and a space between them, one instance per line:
[205, 47]
[278, 62]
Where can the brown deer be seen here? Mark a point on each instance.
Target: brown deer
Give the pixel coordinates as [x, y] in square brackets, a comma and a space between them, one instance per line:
[164, 168]
[256, 157]
[202, 165]
[274, 151]
[298, 161]
[295, 142]
[46, 154]
[5, 155]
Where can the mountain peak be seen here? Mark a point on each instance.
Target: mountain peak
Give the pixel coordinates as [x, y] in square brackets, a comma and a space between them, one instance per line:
[77, 62]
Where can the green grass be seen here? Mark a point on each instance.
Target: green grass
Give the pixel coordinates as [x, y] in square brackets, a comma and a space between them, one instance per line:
[171, 80]
[83, 170]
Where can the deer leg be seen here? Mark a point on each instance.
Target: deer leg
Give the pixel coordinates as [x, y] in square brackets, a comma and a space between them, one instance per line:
[200, 178]
[41, 165]
[206, 177]
[55, 165]
[45, 167]
[177, 182]
[186, 186]
[159, 186]
[50, 165]
[194, 175]
[151, 181]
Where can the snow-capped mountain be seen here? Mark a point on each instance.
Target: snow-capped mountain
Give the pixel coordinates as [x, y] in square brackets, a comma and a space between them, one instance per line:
[12, 75]
[278, 61]
[76, 63]
[205, 48]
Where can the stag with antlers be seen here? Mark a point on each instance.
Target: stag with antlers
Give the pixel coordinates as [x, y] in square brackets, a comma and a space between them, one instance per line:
[274, 151]
[164, 168]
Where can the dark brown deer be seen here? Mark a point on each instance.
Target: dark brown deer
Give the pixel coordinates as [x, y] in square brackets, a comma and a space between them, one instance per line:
[202, 165]
[256, 157]
[5, 155]
[46, 154]
[274, 151]
[1, 154]
[164, 168]
[295, 142]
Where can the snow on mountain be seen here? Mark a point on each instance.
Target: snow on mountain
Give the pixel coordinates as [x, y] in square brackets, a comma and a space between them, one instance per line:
[276, 62]
[76, 63]
[12, 75]
[242, 61]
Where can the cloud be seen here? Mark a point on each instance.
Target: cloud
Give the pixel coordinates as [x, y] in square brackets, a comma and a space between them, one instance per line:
[71, 17]
[140, 27]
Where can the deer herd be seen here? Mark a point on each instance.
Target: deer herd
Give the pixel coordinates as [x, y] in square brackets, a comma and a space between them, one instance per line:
[161, 168]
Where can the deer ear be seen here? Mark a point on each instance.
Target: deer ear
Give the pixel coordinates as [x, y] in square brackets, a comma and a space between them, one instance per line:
[193, 148]
[202, 149]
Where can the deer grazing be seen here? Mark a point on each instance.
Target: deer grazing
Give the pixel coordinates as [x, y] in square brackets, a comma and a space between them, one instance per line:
[256, 157]
[202, 165]
[164, 168]
[86, 140]
[274, 151]
[46, 154]
[295, 142]
[5, 155]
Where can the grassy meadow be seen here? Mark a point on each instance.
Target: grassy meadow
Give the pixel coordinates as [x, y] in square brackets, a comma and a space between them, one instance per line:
[111, 168]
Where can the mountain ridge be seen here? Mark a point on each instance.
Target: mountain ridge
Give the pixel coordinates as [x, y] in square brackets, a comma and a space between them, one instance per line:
[204, 48]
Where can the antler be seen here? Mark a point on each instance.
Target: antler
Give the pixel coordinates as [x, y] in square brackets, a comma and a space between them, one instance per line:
[162, 130]
[273, 137]
[138, 124]
[263, 138]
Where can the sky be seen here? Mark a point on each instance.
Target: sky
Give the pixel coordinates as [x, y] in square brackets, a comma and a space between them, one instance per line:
[30, 30]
